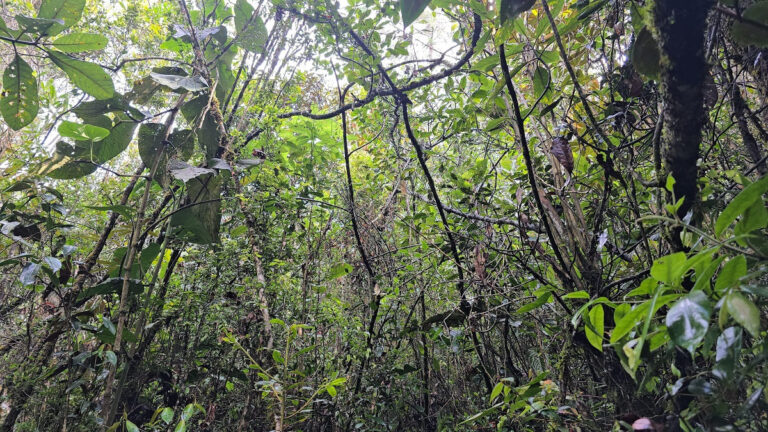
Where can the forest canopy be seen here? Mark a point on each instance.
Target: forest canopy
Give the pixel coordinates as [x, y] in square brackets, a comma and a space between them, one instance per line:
[395, 215]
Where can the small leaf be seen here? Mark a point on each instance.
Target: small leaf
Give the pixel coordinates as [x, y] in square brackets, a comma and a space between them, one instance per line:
[339, 270]
[561, 149]
[510, 9]
[167, 415]
[740, 203]
[540, 301]
[175, 82]
[727, 353]
[746, 33]
[28, 273]
[111, 357]
[181, 427]
[130, 427]
[19, 103]
[82, 132]
[331, 390]
[277, 357]
[88, 77]
[79, 42]
[688, 320]
[744, 312]
[53, 263]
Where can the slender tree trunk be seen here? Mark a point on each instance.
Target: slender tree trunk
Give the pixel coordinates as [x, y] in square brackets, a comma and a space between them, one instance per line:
[680, 30]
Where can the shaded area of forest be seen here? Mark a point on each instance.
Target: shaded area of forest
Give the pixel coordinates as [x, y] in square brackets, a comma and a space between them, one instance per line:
[407, 215]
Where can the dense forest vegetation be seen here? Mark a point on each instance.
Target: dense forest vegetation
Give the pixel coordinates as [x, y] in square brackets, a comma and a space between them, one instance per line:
[394, 215]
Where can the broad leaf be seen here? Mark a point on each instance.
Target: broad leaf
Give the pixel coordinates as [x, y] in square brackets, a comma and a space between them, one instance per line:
[645, 55]
[251, 31]
[29, 273]
[88, 77]
[744, 312]
[410, 10]
[199, 218]
[739, 205]
[596, 329]
[510, 9]
[37, 26]
[82, 132]
[727, 354]
[186, 172]
[19, 103]
[746, 33]
[688, 320]
[669, 269]
[79, 42]
[153, 150]
[66, 11]
[175, 82]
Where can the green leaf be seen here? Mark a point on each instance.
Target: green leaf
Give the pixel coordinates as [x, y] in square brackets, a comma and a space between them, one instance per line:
[688, 320]
[496, 391]
[727, 353]
[111, 286]
[740, 203]
[88, 77]
[410, 10]
[629, 320]
[130, 427]
[29, 273]
[79, 42]
[175, 82]
[510, 9]
[577, 295]
[669, 269]
[339, 270]
[540, 301]
[596, 330]
[68, 11]
[152, 150]
[732, 271]
[111, 357]
[744, 312]
[38, 26]
[645, 55]
[167, 415]
[200, 219]
[251, 31]
[331, 390]
[181, 427]
[542, 83]
[122, 210]
[19, 103]
[277, 357]
[82, 132]
[746, 33]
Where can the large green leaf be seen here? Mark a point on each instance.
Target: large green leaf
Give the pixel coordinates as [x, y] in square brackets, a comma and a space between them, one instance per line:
[645, 54]
[19, 103]
[746, 33]
[251, 31]
[669, 269]
[744, 312]
[510, 9]
[739, 205]
[36, 26]
[67, 11]
[79, 42]
[67, 162]
[410, 10]
[597, 327]
[117, 103]
[89, 77]
[688, 320]
[82, 132]
[199, 219]
[152, 147]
